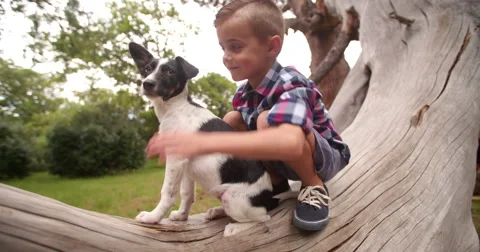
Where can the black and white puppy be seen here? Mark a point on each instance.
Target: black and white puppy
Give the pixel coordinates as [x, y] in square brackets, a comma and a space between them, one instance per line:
[243, 186]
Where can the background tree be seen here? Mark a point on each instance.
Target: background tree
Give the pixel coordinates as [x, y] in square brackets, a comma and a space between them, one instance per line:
[215, 91]
[27, 99]
[64, 33]
[24, 92]
[15, 153]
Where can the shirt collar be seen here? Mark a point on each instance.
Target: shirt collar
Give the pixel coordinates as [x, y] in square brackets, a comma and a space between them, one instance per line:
[268, 82]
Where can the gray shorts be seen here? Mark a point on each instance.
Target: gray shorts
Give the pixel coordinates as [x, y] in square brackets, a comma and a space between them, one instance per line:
[327, 161]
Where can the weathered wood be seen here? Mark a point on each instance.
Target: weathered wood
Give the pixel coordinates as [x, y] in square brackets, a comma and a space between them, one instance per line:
[413, 134]
[413, 137]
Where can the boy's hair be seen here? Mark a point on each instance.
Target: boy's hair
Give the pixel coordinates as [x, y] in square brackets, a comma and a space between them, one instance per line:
[263, 16]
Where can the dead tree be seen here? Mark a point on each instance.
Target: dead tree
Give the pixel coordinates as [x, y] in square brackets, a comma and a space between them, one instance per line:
[327, 39]
[409, 110]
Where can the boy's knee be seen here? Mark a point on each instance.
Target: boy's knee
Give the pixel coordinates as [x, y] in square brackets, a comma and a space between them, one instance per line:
[262, 122]
[235, 120]
[232, 116]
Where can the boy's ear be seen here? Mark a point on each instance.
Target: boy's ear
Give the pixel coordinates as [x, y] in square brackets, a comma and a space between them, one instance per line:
[189, 70]
[275, 45]
[140, 56]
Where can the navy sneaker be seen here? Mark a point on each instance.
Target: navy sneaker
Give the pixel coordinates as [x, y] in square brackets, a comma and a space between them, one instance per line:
[311, 212]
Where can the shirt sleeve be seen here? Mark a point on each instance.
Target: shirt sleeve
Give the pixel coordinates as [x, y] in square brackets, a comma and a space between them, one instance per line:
[291, 108]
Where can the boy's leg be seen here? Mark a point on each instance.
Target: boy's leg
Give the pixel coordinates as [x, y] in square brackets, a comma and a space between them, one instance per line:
[235, 120]
[303, 166]
[311, 212]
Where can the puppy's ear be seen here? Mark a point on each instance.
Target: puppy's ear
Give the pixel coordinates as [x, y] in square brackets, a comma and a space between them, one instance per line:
[189, 70]
[140, 55]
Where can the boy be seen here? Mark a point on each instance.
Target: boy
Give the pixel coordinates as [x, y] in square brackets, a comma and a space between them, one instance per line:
[278, 111]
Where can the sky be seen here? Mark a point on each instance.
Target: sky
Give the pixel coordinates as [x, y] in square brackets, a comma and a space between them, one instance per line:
[202, 50]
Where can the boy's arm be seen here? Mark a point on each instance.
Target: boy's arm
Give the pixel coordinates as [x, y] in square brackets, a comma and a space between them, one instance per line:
[284, 142]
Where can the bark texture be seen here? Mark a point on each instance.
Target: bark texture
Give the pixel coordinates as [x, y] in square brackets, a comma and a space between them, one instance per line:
[409, 110]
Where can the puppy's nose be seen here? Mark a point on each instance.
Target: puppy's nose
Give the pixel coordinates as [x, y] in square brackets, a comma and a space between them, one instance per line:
[148, 85]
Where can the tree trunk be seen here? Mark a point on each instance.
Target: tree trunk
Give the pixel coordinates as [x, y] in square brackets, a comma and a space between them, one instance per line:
[319, 44]
[321, 31]
[409, 110]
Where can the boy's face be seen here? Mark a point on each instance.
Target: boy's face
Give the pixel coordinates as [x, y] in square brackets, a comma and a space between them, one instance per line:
[244, 55]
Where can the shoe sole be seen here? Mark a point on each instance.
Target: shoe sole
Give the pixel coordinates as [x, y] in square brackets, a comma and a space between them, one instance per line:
[309, 225]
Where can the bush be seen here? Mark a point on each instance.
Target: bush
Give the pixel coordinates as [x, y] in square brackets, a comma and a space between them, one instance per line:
[148, 124]
[129, 149]
[95, 146]
[38, 147]
[15, 160]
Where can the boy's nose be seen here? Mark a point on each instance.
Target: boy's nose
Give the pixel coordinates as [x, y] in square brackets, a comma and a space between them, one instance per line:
[226, 58]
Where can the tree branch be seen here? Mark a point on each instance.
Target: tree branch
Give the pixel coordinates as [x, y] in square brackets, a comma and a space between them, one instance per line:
[286, 7]
[314, 16]
[295, 24]
[349, 32]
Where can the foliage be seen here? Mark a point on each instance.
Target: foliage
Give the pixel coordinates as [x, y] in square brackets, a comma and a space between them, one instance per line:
[19, 6]
[24, 92]
[99, 139]
[215, 91]
[35, 131]
[94, 150]
[15, 161]
[149, 124]
[29, 98]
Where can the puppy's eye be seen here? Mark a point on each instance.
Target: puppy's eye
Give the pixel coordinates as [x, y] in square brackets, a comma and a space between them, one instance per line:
[148, 69]
[171, 72]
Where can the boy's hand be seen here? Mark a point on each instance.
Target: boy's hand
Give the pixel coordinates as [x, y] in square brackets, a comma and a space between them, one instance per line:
[179, 144]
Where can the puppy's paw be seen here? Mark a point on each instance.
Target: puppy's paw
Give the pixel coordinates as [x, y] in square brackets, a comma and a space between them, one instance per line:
[147, 217]
[235, 228]
[264, 218]
[178, 216]
[215, 213]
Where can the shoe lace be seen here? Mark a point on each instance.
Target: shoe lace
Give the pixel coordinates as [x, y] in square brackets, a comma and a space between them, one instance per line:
[313, 196]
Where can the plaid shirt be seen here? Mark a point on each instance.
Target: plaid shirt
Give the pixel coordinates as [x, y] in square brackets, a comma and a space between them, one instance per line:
[291, 98]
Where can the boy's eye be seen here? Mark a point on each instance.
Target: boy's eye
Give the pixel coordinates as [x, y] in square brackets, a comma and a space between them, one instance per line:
[148, 69]
[235, 48]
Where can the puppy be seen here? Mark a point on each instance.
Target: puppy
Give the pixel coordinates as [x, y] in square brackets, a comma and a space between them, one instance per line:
[243, 186]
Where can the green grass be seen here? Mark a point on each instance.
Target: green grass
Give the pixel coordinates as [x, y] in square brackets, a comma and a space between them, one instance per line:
[476, 214]
[123, 194]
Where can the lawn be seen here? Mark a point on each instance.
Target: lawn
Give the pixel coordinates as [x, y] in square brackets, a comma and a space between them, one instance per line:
[476, 214]
[123, 194]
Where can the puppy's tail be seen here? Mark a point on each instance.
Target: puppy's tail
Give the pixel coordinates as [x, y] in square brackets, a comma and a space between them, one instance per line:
[219, 190]
[275, 200]
[285, 196]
